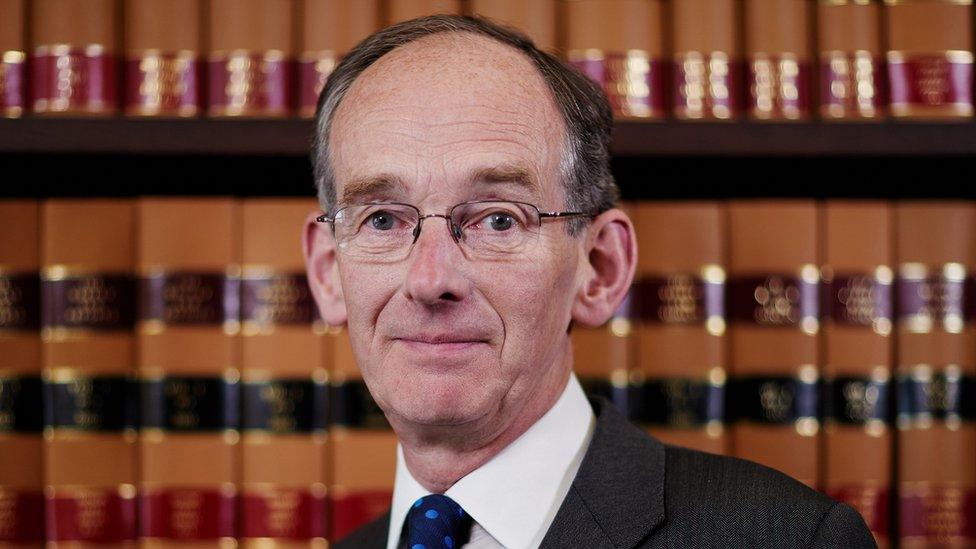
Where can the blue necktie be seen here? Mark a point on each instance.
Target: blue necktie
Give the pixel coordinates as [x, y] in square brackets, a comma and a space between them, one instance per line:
[437, 522]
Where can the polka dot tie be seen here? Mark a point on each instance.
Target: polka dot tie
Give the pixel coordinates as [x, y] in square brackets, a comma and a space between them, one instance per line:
[437, 522]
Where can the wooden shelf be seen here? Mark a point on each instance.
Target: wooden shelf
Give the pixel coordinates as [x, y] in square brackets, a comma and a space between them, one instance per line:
[291, 137]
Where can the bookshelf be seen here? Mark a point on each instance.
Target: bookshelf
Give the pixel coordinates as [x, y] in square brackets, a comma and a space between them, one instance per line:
[46, 157]
[291, 137]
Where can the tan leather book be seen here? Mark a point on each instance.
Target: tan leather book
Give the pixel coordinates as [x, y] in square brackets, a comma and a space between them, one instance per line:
[682, 338]
[851, 60]
[930, 58]
[74, 49]
[330, 28]
[250, 58]
[936, 334]
[163, 56]
[707, 59]
[21, 414]
[284, 382]
[88, 298]
[604, 356]
[13, 57]
[536, 18]
[189, 370]
[778, 38]
[774, 335]
[402, 10]
[362, 447]
[858, 346]
[620, 45]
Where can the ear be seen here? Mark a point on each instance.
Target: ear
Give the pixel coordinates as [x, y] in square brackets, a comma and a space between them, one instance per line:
[319, 248]
[611, 259]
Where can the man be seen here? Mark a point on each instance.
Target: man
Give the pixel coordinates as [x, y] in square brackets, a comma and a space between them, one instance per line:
[469, 223]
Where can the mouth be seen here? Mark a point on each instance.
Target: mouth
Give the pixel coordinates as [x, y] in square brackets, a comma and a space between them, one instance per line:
[440, 346]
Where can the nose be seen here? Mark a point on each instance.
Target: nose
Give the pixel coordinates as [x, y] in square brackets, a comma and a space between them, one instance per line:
[433, 277]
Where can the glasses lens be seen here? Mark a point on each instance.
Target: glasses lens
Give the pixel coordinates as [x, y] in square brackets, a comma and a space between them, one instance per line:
[375, 230]
[496, 228]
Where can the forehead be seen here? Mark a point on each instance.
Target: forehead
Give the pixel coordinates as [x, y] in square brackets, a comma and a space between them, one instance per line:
[449, 115]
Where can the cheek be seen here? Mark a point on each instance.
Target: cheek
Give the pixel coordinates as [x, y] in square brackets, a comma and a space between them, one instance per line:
[533, 300]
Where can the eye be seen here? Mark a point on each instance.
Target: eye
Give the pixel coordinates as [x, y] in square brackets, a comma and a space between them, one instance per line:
[381, 220]
[499, 221]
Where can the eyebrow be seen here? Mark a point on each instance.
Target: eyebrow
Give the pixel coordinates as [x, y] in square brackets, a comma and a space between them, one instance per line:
[387, 186]
[371, 188]
[512, 174]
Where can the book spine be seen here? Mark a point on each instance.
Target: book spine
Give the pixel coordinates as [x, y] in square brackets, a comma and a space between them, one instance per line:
[330, 29]
[936, 251]
[851, 57]
[858, 347]
[402, 10]
[707, 60]
[251, 58]
[73, 59]
[362, 446]
[930, 58]
[537, 19]
[13, 57]
[604, 356]
[774, 283]
[21, 415]
[87, 318]
[777, 38]
[620, 45]
[162, 58]
[679, 298]
[188, 361]
[284, 387]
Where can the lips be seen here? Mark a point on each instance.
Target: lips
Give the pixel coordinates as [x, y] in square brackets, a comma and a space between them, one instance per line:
[441, 345]
[441, 339]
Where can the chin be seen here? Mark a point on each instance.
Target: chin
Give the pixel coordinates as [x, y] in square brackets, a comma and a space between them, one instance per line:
[440, 400]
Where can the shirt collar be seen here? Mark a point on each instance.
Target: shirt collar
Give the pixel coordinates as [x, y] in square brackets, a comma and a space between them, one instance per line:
[516, 494]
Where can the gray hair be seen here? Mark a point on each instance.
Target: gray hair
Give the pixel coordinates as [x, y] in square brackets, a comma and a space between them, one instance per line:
[586, 176]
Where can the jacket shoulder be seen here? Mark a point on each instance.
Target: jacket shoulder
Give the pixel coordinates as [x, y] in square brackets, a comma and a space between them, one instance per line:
[744, 503]
[371, 535]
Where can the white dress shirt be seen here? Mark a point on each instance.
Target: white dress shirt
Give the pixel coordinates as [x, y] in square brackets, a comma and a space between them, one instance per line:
[514, 497]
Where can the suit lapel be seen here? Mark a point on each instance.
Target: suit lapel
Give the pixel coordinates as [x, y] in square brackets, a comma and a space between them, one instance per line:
[617, 497]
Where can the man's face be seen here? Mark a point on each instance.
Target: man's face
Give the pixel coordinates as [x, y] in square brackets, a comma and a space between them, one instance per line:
[443, 338]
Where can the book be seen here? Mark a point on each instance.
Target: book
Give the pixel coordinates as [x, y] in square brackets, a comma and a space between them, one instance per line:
[74, 57]
[936, 256]
[162, 66]
[858, 350]
[250, 58]
[778, 44]
[21, 413]
[397, 11]
[930, 58]
[330, 28]
[707, 59]
[682, 337]
[188, 336]
[851, 59]
[774, 327]
[13, 58]
[88, 300]
[284, 382]
[535, 18]
[362, 446]
[620, 45]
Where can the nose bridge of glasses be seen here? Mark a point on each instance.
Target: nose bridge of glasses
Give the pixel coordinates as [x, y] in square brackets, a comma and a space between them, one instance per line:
[452, 227]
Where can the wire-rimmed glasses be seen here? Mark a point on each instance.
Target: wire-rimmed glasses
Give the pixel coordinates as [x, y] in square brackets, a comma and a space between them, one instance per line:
[487, 229]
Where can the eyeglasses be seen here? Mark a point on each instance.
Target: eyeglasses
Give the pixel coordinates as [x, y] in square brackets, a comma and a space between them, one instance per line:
[488, 229]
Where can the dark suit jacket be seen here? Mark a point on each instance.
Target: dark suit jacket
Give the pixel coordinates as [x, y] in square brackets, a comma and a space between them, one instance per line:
[633, 491]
